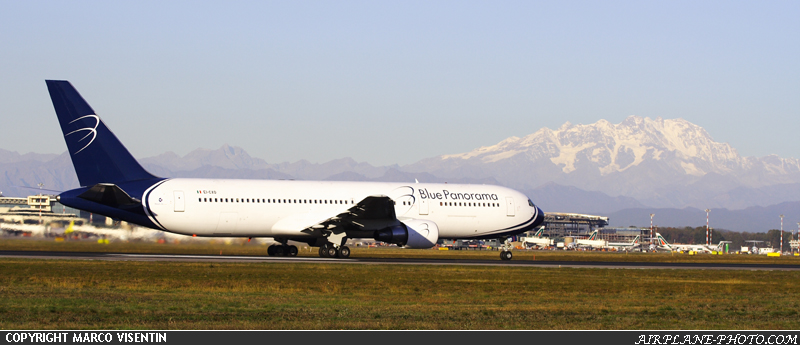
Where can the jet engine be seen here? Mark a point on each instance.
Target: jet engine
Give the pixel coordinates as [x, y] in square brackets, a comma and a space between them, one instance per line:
[415, 234]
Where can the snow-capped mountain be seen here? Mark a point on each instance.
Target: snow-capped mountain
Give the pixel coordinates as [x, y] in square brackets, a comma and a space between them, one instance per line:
[656, 161]
[600, 167]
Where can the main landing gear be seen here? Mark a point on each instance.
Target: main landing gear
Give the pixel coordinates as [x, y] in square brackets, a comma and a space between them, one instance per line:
[329, 250]
[281, 250]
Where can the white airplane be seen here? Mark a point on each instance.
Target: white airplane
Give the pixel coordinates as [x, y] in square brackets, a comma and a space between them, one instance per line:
[592, 241]
[664, 245]
[538, 240]
[625, 245]
[322, 214]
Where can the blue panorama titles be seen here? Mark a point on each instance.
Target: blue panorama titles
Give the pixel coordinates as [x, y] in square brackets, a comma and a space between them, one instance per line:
[446, 195]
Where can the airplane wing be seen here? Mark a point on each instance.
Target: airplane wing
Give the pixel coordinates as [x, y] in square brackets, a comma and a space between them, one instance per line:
[370, 210]
[370, 214]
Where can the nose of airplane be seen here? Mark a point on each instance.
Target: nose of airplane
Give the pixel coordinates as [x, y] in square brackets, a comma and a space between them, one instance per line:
[539, 217]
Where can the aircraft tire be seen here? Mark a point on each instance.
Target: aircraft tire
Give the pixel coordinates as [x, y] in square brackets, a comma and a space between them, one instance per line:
[280, 251]
[322, 252]
[506, 255]
[344, 252]
[271, 250]
[331, 251]
[291, 251]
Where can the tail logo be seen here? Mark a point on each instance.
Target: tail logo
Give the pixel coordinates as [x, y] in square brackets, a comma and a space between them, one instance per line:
[92, 131]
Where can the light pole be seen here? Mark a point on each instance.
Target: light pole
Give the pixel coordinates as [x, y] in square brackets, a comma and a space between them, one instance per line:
[39, 201]
[708, 239]
[652, 235]
[781, 246]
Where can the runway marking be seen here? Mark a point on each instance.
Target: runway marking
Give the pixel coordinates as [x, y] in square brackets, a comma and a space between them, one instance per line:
[390, 261]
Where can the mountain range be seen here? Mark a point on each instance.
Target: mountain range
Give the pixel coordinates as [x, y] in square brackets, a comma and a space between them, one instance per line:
[639, 166]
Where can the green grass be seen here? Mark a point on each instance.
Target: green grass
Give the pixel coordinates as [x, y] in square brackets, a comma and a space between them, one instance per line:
[78, 294]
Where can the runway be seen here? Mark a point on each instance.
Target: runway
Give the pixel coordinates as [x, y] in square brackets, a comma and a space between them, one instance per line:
[389, 261]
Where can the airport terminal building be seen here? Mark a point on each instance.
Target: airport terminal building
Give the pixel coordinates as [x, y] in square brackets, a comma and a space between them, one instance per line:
[561, 225]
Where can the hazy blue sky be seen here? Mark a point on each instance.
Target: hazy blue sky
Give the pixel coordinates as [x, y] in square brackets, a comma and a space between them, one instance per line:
[394, 82]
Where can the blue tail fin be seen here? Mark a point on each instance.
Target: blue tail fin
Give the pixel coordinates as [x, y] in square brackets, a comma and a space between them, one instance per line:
[96, 153]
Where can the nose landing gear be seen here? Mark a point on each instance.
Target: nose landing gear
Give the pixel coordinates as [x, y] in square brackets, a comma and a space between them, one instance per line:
[505, 249]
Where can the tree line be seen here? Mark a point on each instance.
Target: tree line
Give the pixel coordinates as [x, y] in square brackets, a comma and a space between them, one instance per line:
[689, 235]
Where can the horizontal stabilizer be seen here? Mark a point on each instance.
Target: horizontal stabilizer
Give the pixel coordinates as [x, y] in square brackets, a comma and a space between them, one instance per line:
[109, 195]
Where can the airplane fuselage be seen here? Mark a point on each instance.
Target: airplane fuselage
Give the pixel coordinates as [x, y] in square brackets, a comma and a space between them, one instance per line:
[275, 208]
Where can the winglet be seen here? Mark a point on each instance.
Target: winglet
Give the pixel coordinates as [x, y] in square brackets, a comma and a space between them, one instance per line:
[97, 155]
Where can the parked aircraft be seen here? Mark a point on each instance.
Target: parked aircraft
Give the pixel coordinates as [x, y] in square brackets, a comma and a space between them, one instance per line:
[538, 240]
[664, 245]
[592, 241]
[320, 213]
[625, 245]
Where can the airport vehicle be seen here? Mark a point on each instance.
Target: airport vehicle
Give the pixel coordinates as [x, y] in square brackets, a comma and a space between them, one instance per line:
[755, 248]
[592, 241]
[538, 240]
[322, 214]
[625, 245]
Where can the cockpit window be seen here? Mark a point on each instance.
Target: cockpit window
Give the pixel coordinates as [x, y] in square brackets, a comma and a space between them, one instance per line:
[530, 203]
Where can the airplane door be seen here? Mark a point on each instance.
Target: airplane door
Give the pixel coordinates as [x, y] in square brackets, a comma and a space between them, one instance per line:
[510, 205]
[180, 203]
[423, 207]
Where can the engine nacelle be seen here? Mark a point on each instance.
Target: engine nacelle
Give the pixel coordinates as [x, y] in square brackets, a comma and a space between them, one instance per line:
[415, 234]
